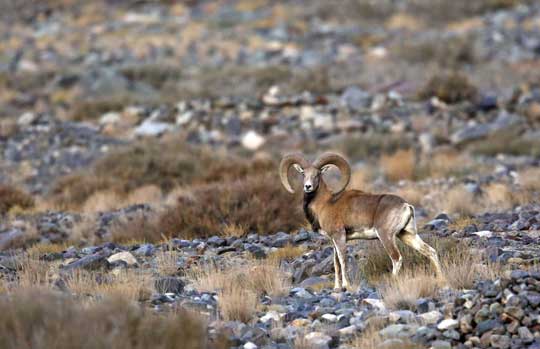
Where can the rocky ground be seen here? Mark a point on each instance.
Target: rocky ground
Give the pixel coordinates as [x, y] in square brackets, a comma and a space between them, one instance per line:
[140, 143]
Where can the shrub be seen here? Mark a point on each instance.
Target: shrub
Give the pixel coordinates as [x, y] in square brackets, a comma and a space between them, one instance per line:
[11, 197]
[257, 203]
[43, 319]
[449, 88]
[398, 166]
[164, 164]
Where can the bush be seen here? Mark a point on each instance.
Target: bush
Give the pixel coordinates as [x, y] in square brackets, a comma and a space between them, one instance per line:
[449, 88]
[12, 197]
[166, 164]
[256, 204]
[43, 319]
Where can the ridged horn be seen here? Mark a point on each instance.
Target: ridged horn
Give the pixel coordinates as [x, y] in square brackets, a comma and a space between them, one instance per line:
[286, 163]
[340, 163]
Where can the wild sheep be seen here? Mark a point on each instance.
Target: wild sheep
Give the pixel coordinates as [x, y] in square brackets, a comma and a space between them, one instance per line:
[345, 215]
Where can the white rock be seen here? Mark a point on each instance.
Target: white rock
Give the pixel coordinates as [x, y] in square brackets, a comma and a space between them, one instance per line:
[329, 317]
[123, 256]
[252, 140]
[110, 118]
[152, 128]
[376, 303]
[270, 316]
[318, 340]
[26, 119]
[484, 234]
[431, 317]
[272, 96]
[349, 330]
[447, 324]
[250, 345]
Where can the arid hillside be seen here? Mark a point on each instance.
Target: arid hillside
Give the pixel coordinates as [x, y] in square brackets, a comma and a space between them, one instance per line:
[141, 204]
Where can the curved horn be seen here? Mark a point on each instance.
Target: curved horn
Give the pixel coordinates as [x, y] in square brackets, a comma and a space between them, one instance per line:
[286, 163]
[340, 163]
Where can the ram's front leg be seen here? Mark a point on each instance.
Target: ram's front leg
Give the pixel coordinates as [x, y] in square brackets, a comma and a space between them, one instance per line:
[337, 270]
[340, 243]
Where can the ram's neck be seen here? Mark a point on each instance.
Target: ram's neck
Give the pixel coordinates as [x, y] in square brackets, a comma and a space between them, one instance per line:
[313, 202]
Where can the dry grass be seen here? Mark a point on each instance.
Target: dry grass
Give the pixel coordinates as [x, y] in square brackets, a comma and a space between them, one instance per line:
[399, 165]
[377, 263]
[361, 180]
[460, 201]
[413, 195]
[129, 284]
[529, 179]
[11, 198]
[461, 269]
[166, 262]
[43, 319]
[446, 163]
[499, 196]
[461, 222]
[507, 141]
[239, 287]
[236, 303]
[403, 291]
[33, 272]
[139, 227]
[287, 253]
[449, 88]
[40, 249]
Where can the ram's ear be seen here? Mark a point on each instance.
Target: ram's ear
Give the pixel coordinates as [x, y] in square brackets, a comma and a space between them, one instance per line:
[325, 168]
[298, 168]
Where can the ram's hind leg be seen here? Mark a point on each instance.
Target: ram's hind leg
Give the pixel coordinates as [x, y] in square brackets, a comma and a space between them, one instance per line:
[410, 237]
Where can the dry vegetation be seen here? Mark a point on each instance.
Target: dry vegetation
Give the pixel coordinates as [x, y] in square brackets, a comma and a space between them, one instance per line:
[11, 198]
[129, 284]
[449, 88]
[37, 318]
[256, 204]
[377, 263]
[164, 164]
[287, 253]
[398, 166]
[239, 287]
[461, 268]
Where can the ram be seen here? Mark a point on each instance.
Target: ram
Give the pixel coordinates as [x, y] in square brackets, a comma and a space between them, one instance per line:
[344, 215]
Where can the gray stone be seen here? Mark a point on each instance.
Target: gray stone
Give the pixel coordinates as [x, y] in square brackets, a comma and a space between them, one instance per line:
[355, 98]
[398, 331]
[91, 262]
[452, 334]
[145, 250]
[525, 334]
[500, 341]
[215, 241]
[438, 344]
[487, 325]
